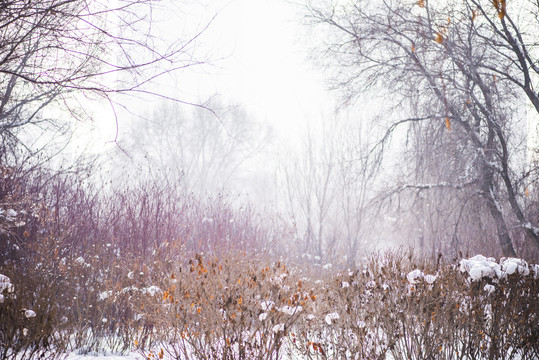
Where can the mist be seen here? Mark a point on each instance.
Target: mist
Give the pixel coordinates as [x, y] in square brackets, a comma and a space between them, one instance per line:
[269, 179]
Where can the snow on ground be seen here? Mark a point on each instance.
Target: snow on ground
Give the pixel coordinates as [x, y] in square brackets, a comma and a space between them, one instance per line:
[105, 357]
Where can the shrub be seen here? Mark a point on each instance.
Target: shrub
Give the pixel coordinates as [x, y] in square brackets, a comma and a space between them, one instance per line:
[230, 308]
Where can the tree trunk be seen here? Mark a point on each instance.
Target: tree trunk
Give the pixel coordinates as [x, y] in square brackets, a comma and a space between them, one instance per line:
[496, 211]
[501, 228]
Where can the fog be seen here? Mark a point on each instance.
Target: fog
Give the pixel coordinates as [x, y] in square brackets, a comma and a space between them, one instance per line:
[307, 115]
[269, 179]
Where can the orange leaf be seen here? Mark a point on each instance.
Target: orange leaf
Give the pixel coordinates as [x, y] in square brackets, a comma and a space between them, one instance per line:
[500, 7]
[413, 48]
[447, 123]
[439, 38]
[421, 3]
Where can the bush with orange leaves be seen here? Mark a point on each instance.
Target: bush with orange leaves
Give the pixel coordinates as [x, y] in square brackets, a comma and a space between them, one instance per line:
[230, 308]
[394, 306]
[407, 308]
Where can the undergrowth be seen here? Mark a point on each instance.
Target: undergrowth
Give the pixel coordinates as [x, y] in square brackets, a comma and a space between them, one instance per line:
[167, 275]
[244, 306]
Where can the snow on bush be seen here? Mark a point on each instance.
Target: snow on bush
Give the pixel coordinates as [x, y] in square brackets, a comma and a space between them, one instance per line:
[267, 305]
[414, 275]
[291, 310]
[105, 294]
[151, 290]
[5, 285]
[331, 317]
[29, 313]
[489, 288]
[512, 265]
[278, 328]
[479, 267]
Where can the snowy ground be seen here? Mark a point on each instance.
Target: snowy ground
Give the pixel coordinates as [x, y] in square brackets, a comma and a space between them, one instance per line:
[105, 357]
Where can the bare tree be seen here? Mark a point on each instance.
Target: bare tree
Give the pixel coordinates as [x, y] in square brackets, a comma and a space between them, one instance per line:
[353, 194]
[326, 190]
[307, 179]
[60, 54]
[461, 66]
[207, 151]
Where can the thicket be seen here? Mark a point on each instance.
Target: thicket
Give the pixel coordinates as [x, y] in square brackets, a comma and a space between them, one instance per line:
[170, 275]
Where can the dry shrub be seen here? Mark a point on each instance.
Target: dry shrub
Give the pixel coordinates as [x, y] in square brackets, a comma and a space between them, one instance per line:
[235, 307]
[111, 273]
[31, 320]
[441, 316]
[83, 242]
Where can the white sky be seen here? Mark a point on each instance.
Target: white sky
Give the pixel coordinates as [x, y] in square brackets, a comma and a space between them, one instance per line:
[268, 71]
[262, 63]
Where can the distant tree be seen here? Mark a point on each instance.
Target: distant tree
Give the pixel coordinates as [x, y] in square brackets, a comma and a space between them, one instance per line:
[461, 69]
[201, 151]
[308, 184]
[325, 185]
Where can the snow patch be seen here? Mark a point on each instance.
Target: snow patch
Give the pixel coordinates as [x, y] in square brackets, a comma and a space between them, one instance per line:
[291, 310]
[267, 305]
[278, 328]
[331, 317]
[414, 275]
